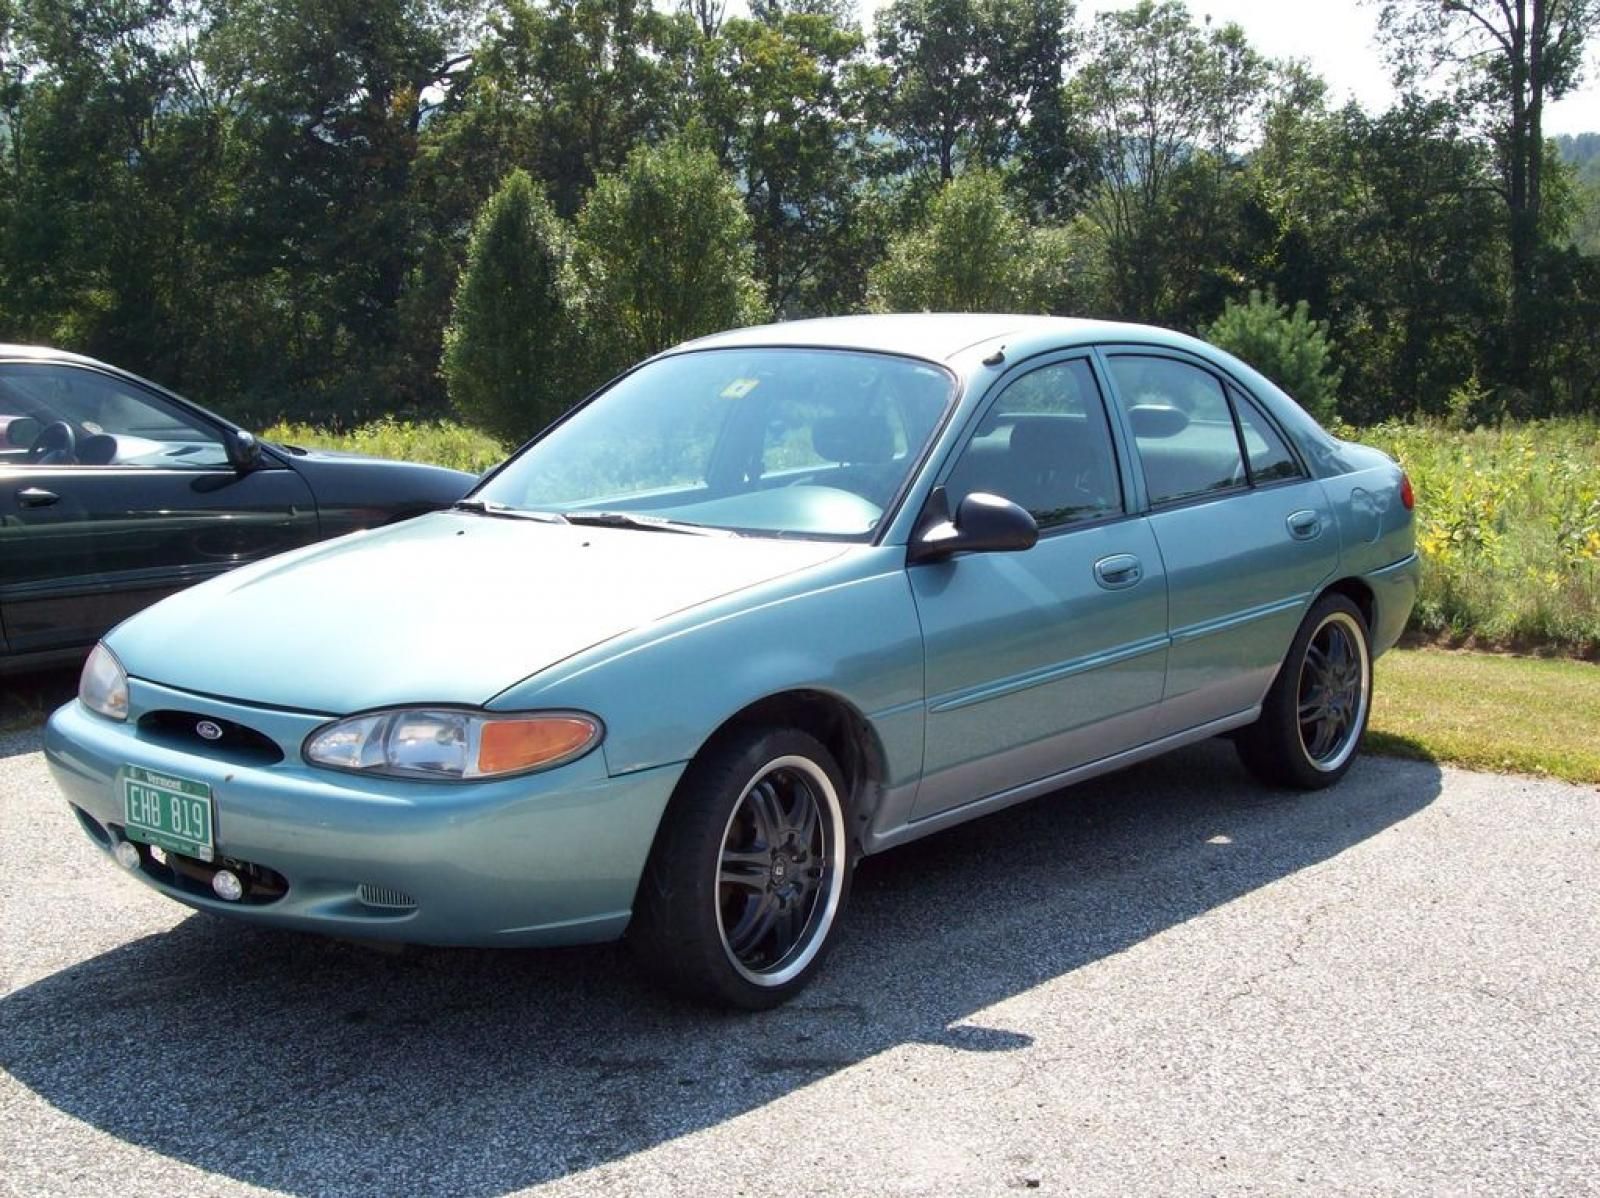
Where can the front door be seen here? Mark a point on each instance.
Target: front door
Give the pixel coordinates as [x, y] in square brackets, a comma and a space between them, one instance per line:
[111, 496]
[1049, 658]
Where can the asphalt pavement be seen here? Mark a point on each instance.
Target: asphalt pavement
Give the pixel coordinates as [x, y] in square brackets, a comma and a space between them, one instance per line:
[1168, 981]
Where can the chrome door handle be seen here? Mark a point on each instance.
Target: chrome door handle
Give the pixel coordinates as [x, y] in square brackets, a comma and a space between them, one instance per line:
[36, 497]
[1304, 526]
[1118, 571]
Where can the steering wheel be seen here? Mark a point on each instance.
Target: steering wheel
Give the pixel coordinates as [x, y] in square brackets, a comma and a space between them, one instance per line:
[56, 445]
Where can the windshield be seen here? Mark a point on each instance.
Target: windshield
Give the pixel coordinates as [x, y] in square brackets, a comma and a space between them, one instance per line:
[801, 442]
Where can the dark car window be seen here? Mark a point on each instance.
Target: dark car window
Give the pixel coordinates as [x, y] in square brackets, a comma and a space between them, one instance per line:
[1045, 445]
[1182, 426]
[112, 423]
[1270, 459]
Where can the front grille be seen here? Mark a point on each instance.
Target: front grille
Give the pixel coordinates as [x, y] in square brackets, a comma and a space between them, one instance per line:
[237, 743]
[385, 896]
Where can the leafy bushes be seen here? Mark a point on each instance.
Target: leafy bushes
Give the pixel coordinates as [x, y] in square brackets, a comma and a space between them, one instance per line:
[509, 339]
[1284, 344]
[1508, 523]
[663, 253]
[974, 253]
[443, 443]
[545, 312]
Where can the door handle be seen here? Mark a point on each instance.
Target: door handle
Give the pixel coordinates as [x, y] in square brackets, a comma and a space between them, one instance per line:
[1305, 526]
[36, 497]
[1118, 571]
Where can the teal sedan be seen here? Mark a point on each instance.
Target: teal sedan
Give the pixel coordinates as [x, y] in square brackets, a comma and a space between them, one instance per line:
[771, 601]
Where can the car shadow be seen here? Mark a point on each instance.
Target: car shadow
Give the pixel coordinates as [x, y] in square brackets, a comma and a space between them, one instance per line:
[25, 701]
[313, 1067]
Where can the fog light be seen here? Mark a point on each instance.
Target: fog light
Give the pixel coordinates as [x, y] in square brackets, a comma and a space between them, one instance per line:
[127, 854]
[227, 885]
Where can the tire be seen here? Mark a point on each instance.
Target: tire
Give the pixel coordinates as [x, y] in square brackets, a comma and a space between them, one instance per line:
[1316, 713]
[749, 873]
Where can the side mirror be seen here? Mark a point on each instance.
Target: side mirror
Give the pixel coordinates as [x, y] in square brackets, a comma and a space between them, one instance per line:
[244, 451]
[983, 523]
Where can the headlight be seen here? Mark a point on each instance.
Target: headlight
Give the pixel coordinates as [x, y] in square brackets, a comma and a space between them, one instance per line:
[445, 744]
[103, 685]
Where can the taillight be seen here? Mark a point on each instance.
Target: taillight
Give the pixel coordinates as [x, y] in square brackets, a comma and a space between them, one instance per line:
[1407, 495]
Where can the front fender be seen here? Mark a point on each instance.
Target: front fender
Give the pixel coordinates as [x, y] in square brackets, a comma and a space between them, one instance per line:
[854, 635]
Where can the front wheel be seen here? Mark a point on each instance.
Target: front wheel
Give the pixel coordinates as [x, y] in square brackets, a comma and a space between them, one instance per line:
[749, 873]
[1316, 712]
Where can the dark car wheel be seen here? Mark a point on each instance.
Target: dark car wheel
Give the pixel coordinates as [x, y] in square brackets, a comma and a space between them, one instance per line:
[749, 873]
[1316, 712]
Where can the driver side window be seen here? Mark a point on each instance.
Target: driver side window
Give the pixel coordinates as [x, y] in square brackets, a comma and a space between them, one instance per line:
[53, 414]
[1044, 444]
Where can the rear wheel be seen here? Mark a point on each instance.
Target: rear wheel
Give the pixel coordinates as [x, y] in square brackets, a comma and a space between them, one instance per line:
[749, 873]
[1316, 712]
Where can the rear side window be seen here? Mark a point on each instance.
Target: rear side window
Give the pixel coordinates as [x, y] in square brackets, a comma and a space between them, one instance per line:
[1270, 459]
[1182, 426]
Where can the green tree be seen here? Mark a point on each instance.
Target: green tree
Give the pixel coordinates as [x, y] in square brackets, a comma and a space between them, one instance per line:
[596, 78]
[327, 103]
[1514, 56]
[974, 253]
[964, 75]
[780, 101]
[662, 254]
[510, 337]
[1284, 344]
[1395, 226]
[1168, 103]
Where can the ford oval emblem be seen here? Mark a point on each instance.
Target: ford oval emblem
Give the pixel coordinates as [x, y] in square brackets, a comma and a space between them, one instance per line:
[208, 730]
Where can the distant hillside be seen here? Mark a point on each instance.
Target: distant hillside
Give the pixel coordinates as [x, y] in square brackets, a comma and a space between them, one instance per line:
[1583, 152]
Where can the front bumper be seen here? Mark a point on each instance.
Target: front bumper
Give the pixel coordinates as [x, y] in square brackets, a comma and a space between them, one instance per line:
[551, 858]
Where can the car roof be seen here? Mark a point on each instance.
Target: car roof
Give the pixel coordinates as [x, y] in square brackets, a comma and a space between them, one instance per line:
[45, 353]
[938, 336]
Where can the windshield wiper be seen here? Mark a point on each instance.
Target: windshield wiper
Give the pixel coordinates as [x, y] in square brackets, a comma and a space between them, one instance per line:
[488, 507]
[647, 523]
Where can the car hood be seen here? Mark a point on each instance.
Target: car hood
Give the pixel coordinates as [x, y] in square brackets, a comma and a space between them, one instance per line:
[448, 608]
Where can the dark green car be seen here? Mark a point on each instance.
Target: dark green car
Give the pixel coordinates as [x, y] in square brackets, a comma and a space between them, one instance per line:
[115, 492]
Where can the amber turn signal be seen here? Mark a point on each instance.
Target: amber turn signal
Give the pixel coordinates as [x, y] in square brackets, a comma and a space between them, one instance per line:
[508, 746]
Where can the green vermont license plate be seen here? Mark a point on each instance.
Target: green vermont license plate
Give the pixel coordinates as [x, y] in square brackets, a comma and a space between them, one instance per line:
[171, 813]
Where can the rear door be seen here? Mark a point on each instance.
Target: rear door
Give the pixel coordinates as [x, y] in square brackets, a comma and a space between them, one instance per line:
[112, 496]
[1246, 536]
[1048, 658]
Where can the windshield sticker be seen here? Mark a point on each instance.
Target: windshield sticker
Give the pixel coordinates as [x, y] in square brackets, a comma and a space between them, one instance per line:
[739, 388]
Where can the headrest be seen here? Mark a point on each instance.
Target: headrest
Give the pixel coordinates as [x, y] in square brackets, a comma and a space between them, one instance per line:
[97, 450]
[1155, 420]
[856, 437]
[1045, 441]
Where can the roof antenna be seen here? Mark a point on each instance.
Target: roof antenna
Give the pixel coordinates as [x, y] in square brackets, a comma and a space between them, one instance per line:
[996, 358]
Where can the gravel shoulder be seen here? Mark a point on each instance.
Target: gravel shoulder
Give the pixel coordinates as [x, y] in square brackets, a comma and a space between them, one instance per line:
[1167, 980]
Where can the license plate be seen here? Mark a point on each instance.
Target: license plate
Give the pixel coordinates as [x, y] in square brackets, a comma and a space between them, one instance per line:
[171, 813]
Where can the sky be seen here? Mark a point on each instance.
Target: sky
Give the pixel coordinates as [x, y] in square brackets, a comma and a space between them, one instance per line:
[1336, 37]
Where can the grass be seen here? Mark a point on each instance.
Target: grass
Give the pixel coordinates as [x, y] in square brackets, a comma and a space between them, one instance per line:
[1489, 712]
[443, 443]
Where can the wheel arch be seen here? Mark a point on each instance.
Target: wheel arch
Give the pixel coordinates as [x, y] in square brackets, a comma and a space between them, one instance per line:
[843, 730]
[1359, 593]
